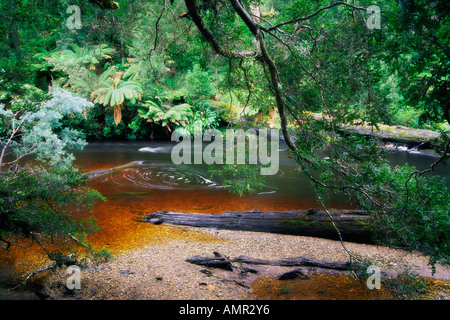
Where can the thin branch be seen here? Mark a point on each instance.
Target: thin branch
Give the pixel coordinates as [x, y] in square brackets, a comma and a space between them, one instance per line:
[8, 244]
[246, 17]
[311, 75]
[351, 255]
[313, 14]
[430, 169]
[80, 242]
[31, 150]
[32, 273]
[41, 245]
[172, 12]
[273, 70]
[230, 66]
[434, 40]
[247, 82]
[13, 134]
[157, 28]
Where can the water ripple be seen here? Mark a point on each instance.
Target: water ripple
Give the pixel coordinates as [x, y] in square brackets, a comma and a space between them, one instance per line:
[159, 177]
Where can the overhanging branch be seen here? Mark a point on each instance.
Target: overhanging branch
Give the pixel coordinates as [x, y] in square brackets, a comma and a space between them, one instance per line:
[295, 20]
[195, 16]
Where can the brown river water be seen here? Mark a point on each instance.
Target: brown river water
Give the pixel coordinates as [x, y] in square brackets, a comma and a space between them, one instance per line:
[154, 183]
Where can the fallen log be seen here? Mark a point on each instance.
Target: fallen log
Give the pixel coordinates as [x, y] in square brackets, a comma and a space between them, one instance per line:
[100, 174]
[295, 262]
[216, 262]
[353, 225]
[238, 269]
[230, 264]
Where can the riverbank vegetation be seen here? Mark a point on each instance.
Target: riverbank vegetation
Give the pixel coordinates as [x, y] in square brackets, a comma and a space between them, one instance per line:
[143, 69]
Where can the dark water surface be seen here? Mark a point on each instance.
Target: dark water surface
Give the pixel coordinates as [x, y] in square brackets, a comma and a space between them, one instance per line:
[156, 177]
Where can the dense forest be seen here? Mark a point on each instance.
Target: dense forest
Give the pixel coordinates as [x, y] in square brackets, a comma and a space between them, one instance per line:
[75, 71]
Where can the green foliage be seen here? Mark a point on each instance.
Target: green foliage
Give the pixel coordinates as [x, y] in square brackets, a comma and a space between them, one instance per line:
[201, 121]
[107, 88]
[112, 92]
[71, 60]
[407, 286]
[169, 109]
[14, 72]
[106, 4]
[98, 124]
[101, 255]
[410, 211]
[166, 115]
[418, 218]
[241, 179]
[418, 51]
[40, 128]
[43, 197]
[48, 202]
[199, 86]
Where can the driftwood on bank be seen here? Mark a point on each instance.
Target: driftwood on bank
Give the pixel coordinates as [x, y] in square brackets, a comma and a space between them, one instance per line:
[223, 262]
[244, 270]
[353, 225]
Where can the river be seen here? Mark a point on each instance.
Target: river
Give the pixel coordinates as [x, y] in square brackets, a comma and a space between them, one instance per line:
[155, 176]
[156, 184]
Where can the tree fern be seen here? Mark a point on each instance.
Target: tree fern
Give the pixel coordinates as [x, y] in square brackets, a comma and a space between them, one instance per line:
[75, 57]
[112, 91]
[166, 115]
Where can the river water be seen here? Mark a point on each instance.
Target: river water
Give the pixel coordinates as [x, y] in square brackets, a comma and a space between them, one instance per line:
[155, 176]
[154, 183]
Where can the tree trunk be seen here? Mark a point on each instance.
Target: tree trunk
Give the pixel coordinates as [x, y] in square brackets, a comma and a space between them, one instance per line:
[225, 263]
[353, 225]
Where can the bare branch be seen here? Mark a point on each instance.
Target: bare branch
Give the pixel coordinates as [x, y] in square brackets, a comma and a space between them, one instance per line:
[157, 28]
[273, 70]
[351, 256]
[7, 244]
[32, 273]
[13, 134]
[80, 242]
[431, 168]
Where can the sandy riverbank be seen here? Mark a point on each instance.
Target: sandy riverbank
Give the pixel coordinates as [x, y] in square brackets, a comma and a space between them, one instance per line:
[159, 271]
